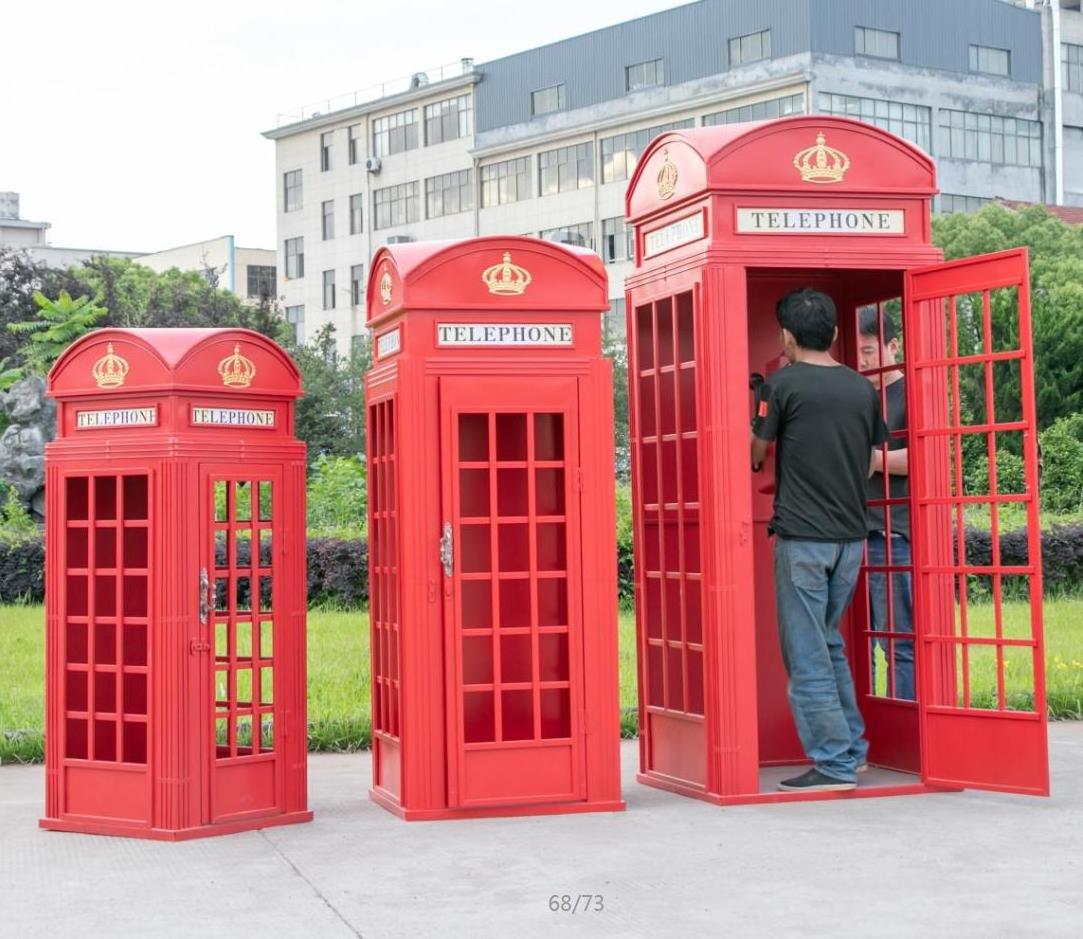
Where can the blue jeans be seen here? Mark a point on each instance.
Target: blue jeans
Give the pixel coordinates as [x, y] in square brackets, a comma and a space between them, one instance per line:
[814, 582]
[903, 608]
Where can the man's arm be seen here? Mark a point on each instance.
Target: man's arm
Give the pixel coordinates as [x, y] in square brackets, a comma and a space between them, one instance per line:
[759, 452]
[898, 462]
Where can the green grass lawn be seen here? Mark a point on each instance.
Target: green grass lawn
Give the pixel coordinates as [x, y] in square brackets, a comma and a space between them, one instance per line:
[338, 675]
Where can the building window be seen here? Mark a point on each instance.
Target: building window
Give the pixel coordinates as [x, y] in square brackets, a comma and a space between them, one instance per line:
[614, 322]
[951, 203]
[353, 138]
[909, 121]
[295, 258]
[760, 111]
[261, 280]
[1071, 64]
[878, 43]
[547, 100]
[295, 316]
[991, 61]
[618, 240]
[449, 120]
[621, 153]
[565, 169]
[750, 48]
[987, 138]
[395, 133]
[449, 193]
[325, 150]
[291, 190]
[395, 205]
[357, 201]
[644, 75]
[505, 182]
[328, 290]
[357, 284]
[328, 221]
[581, 235]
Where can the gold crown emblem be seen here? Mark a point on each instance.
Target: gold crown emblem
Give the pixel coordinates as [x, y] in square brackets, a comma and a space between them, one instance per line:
[505, 278]
[821, 164]
[385, 287]
[236, 370]
[110, 370]
[667, 177]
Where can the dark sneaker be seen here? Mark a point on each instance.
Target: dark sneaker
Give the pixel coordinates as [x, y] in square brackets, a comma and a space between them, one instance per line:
[815, 781]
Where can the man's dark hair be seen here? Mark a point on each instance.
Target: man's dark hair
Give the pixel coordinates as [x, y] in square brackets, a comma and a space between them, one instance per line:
[869, 325]
[810, 316]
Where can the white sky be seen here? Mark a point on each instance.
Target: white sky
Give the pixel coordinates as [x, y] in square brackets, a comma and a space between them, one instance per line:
[136, 126]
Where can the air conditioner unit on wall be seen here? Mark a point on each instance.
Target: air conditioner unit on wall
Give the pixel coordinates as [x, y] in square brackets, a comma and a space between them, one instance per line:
[372, 164]
[399, 239]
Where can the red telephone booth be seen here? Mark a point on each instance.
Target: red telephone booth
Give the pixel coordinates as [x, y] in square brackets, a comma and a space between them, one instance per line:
[491, 531]
[175, 586]
[727, 221]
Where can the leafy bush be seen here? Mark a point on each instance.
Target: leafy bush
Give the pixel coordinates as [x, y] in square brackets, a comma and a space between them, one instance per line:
[1062, 465]
[625, 563]
[338, 572]
[22, 568]
[15, 520]
[337, 496]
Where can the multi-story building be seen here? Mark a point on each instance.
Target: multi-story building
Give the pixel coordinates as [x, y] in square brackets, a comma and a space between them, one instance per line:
[543, 142]
[248, 272]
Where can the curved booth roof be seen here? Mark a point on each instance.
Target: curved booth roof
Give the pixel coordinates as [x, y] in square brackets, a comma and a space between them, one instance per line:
[809, 155]
[505, 272]
[118, 361]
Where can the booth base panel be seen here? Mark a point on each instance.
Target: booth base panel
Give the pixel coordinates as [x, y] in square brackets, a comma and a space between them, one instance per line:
[496, 811]
[875, 783]
[120, 830]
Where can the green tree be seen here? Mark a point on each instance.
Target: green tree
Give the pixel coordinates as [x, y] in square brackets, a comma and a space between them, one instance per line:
[57, 325]
[331, 415]
[616, 351]
[1056, 280]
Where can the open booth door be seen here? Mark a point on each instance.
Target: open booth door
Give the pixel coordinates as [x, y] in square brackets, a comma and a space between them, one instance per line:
[973, 467]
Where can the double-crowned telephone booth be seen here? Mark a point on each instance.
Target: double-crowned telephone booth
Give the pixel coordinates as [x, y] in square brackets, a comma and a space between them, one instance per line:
[491, 531]
[175, 586]
[728, 220]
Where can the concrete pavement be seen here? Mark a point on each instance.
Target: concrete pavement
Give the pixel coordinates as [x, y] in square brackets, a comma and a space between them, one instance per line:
[959, 864]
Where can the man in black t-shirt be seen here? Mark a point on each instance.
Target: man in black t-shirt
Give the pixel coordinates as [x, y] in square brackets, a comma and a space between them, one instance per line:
[878, 348]
[824, 419]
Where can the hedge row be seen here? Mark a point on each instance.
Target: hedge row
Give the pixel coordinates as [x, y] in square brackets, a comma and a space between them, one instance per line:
[338, 568]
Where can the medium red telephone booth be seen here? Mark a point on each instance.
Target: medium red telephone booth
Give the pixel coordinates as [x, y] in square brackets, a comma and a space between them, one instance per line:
[491, 531]
[727, 221]
[175, 586]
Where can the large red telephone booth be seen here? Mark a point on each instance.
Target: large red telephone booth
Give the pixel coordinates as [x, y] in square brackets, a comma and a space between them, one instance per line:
[175, 586]
[491, 531]
[727, 221]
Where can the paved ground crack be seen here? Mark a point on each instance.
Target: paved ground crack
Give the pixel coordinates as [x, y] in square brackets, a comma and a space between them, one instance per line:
[316, 890]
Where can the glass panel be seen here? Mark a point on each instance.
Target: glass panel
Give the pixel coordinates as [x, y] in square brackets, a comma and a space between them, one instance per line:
[244, 594]
[548, 436]
[135, 547]
[265, 544]
[552, 601]
[244, 733]
[474, 492]
[221, 595]
[105, 497]
[266, 594]
[77, 499]
[267, 686]
[514, 603]
[135, 644]
[517, 714]
[265, 501]
[244, 640]
[105, 692]
[513, 543]
[221, 513]
[477, 660]
[77, 547]
[473, 437]
[477, 604]
[243, 542]
[75, 691]
[75, 738]
[511, 437]
[135, 497]
[105, 740]
[267, 732]
[105, 547]
[105, 595]
[551, 547]
[243, 501]
[135, 742]
[479, 717]
[516, 659]
[135, 595]
[244, 686]
[266, 640]
[549, 491]
[553, 657]
[556, 713]
[475, 550]
[135, 694]
[75, 642]
[512, 495]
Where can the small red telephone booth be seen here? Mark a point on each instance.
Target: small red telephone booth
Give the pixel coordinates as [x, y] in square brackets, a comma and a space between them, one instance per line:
[727, 221]
[491, 531]
[175, 586]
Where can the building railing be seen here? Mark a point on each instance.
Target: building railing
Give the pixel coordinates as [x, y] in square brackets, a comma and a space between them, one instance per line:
[385, 89]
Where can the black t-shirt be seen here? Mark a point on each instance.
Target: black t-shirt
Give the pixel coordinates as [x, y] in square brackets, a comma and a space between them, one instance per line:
[895, 399]
[826, 420]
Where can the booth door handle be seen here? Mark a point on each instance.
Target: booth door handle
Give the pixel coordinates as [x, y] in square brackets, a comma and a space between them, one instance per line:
[447, 551]
[204, 594]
